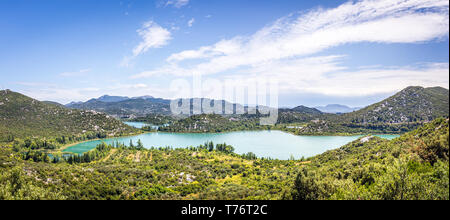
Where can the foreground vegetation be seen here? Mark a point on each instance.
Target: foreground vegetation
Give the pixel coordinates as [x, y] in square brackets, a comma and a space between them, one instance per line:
[23, 117]
[414, 166]
[127, 173]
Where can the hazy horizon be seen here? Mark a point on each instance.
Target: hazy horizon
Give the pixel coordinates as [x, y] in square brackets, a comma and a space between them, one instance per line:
[336, 101]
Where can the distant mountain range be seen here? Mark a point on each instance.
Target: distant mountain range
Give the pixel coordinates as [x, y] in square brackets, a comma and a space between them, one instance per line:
[413, 104]
[124, 107]
[336, 109]
[22, 116]
[107, 98]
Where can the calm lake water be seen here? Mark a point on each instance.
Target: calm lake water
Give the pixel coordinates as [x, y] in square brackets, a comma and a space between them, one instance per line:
[274, 144]
[140, 125]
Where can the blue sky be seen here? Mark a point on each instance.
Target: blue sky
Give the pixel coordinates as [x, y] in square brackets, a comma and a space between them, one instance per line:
[321, 52]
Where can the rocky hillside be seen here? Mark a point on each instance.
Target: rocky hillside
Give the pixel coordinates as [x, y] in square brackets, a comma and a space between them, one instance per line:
[413, 104]
[400, 113]
[22, 116]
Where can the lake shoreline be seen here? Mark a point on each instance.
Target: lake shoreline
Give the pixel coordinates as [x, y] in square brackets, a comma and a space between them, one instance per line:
[264, 143]
[65, 148]
[274, 128]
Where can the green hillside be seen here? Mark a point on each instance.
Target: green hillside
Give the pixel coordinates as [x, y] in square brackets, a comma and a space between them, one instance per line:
[300, 114]
[127, 107]
[213, 123]
[141, 107]
[156, 119]
[413, 104]
[22, 116]
[400, 113]
[413, 166]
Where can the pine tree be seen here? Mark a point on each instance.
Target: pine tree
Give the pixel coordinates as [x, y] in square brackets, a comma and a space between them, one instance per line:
[140, 146]
[131, 144]
[211, 146]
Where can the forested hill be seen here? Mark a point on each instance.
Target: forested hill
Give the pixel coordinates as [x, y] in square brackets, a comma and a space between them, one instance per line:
[298, 114]
[122, 107]
[214, 123]
[413, 104]
[306, 110]
[22, 116]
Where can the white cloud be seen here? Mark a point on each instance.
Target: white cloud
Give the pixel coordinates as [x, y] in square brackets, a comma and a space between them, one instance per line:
[221, 48]
[153, 36]
[384, 80]
[62, 94]
[40, 84]
[128, 86]
[77, 73]
[385, 21]
[327, 76]
[282, 48]
[191, 22]
[177, 3]
[58, 94]
[170, 69]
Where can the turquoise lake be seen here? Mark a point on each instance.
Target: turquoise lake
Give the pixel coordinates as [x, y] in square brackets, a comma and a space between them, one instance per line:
[140, 125]
[136, 124]
[273, 144]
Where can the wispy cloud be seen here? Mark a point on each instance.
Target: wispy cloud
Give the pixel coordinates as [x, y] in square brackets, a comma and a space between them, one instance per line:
[283, 47]
[219, 49]
[76, 73]
[191, 22]
[177, 3]
[59, 94]
[326, 75]
[153, 36]
[63, 94]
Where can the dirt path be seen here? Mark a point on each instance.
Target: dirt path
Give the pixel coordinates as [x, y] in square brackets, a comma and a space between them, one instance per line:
[109, 155]
[137, 158]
